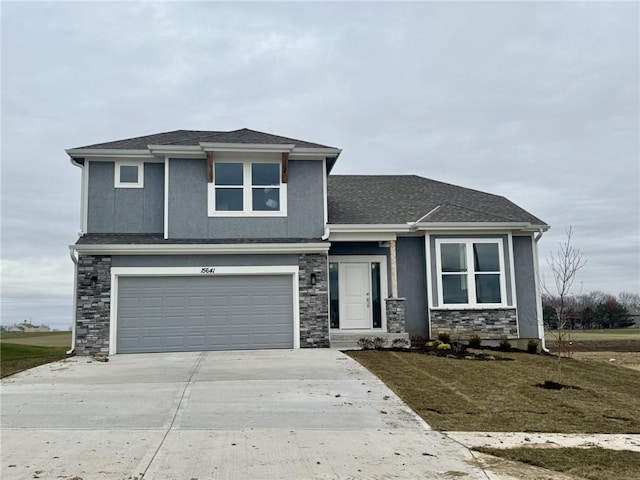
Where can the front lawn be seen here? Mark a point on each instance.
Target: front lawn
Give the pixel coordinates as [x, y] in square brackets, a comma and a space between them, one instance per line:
[15, 358]
[493, 395]
[591, 463]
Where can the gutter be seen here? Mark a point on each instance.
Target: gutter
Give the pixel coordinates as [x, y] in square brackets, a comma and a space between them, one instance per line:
[536, 239]
[75, 300]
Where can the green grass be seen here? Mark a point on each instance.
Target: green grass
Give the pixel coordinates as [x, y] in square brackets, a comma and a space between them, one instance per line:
[590, 463]
[15, 358]
[472, 395]
[42, 339]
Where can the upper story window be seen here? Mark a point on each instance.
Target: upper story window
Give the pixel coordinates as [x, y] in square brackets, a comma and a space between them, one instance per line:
[470, 273]
[129, 175]
[248, 188]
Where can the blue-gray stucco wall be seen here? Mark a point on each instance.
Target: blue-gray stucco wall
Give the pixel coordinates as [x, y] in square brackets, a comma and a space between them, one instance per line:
[412, 283]
[525, 286]
[125, 210]
[188, 216]
[225, 260]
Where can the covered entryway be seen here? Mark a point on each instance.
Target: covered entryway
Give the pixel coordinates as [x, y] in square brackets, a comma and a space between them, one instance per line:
[208, 312]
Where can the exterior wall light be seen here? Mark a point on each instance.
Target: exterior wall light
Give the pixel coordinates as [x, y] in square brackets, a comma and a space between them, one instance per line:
[313, 279]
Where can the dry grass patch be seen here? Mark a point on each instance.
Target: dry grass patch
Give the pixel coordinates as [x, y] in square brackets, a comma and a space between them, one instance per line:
[470, 395]
[590, 463]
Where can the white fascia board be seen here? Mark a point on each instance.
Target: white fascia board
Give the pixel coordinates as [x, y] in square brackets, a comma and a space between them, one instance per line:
[196, 249]
[108, 152]
[452, 226]
[176, 150]
[361, 236]
[374, 228]
[316, 152]
[246, 147]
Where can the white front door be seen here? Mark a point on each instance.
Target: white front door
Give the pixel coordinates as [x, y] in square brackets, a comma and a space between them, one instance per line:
[355, 295]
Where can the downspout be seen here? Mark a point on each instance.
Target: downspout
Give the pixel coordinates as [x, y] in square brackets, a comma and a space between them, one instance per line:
[326, 233]
[536, 239]
[75, 299]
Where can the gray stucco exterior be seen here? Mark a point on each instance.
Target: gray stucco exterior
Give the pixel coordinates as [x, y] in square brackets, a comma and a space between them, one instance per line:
[412, 283]
[202, 260]
[188, 216]
[525, 286]
[125, 210]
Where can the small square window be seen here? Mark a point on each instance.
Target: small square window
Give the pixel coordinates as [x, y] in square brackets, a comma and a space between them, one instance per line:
[129, 175]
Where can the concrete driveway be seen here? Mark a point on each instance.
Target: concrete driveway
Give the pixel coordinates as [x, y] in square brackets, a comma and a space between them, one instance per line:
[255, 415]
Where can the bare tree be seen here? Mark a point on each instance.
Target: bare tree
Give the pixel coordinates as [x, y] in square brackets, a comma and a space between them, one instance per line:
[629, 300]
[564, 264]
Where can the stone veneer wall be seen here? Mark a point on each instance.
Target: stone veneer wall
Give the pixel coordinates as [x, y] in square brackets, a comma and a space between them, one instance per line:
[487, 324]
[314, 301]
[93, 305]
[395, 315]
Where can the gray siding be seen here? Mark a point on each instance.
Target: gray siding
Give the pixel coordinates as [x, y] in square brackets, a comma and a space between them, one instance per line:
[202, 260]
[525, 287]
[412, 283]
[434, 271]
[125, 210]
[188, 216]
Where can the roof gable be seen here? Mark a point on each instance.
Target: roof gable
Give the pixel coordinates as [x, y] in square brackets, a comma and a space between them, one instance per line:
[195, 137]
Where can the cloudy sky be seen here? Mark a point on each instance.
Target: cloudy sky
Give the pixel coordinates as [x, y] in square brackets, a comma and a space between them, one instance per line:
[535, 101]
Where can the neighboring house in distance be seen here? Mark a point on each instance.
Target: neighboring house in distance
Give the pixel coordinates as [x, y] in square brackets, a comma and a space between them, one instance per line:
[26, 327]
[199, 240]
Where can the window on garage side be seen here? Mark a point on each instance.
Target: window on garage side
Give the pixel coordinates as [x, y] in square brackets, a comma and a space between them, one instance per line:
[129, 175]
[470, 273]
[334, 296]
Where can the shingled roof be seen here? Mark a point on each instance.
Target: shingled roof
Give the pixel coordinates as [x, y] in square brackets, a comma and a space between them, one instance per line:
[195, 137]
[398, 199]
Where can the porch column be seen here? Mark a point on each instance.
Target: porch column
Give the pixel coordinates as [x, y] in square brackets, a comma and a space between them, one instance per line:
[394, 269]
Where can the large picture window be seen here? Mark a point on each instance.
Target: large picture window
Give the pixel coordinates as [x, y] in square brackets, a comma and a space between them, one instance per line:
[470, 273]
[247, 189]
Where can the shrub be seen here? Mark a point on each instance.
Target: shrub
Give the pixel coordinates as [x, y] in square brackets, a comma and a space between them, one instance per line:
[444, 346]
[444, 337]
[475, 342]
[504, 345]
[532, 346]
[368, 343]
[401, 343]
[379, 343]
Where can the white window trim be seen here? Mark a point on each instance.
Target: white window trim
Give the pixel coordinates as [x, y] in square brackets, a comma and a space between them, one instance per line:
[247, 187]
[117, 272]
[124, 163]
[384, 285]
[471, 284]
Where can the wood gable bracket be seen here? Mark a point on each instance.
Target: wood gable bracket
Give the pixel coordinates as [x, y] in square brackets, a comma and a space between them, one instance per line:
[209, 167]
[285, 167]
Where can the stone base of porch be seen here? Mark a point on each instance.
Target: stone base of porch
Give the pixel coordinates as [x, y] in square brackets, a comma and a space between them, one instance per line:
[348, 340]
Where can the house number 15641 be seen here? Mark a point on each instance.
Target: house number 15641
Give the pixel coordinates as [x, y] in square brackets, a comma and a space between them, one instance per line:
[207, 270]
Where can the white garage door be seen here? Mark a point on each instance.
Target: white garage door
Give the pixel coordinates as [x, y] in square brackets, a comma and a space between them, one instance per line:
[178, 314]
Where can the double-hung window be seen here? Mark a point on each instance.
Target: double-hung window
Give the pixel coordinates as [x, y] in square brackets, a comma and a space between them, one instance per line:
[247, 188]
[470, 273]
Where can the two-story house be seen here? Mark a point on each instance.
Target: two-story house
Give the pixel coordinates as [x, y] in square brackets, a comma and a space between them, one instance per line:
[202, 240]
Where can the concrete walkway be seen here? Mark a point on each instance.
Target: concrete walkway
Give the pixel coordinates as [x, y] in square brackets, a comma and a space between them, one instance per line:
[253, 415]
